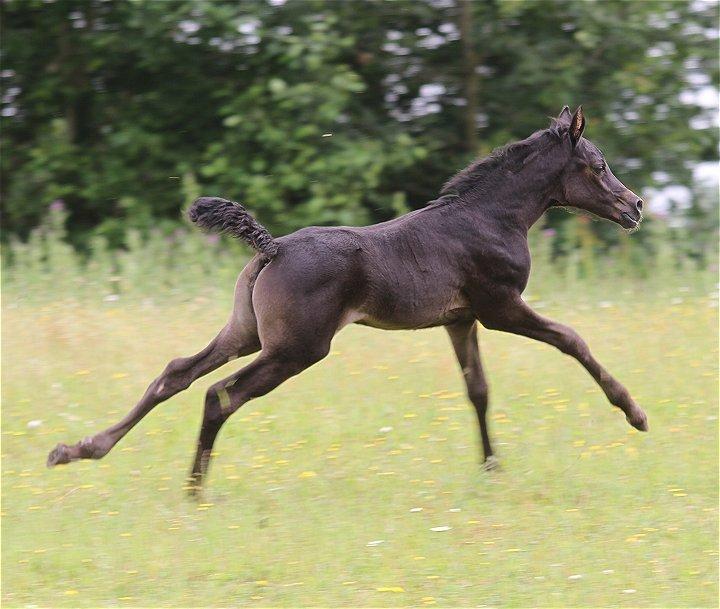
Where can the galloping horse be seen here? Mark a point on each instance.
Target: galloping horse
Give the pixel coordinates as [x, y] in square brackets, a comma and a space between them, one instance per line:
[461, 259]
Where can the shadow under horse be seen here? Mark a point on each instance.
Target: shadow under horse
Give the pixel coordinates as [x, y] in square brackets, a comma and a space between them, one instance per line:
[461, 259]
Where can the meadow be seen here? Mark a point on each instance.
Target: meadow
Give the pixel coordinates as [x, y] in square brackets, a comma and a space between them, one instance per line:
[358, 482]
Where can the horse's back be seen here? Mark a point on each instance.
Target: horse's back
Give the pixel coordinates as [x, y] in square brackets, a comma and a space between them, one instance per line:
[388, 276]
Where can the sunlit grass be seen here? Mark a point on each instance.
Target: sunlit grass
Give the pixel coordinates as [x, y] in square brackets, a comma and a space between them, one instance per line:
[357, 483]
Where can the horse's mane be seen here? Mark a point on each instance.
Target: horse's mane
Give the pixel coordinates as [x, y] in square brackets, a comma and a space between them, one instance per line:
[511, 157]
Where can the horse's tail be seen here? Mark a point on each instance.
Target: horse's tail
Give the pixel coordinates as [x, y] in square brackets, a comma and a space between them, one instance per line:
[221, 215]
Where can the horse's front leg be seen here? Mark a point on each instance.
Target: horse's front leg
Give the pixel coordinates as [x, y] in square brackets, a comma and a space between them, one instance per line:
[517, 317]
[463, 335]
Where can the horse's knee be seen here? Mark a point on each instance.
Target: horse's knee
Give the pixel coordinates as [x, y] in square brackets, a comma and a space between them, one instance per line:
[569, 342]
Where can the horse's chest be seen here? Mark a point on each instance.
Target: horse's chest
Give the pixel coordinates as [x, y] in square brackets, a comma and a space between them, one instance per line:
[505, 268]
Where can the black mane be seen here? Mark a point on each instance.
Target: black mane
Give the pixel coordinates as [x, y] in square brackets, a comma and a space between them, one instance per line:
[511, 157]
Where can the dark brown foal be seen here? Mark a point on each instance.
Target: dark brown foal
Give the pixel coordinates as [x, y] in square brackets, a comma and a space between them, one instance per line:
[461, 259]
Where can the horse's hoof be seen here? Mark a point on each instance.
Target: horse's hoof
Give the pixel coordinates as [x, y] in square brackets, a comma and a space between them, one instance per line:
[638, 420]
[59, 455]
[491, 463]
[193, 488]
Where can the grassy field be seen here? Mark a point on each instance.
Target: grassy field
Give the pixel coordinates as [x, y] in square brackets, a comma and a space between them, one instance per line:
[327, 491]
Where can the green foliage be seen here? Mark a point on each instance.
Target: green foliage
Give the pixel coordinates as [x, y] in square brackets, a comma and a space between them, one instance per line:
[179, 265]
[187, 264]
[303, 164]
[319, 112]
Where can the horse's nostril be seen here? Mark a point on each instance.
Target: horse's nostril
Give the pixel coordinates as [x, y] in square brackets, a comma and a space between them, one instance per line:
[639, 205]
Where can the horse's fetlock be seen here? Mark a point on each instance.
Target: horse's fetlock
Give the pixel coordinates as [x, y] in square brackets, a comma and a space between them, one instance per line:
[94, 448]
[620, 397]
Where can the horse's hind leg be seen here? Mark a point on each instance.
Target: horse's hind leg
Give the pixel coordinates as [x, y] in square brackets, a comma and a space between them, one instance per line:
[463, 335]
[259, 377]
[239, 337]
[178, 375]
[296, 328]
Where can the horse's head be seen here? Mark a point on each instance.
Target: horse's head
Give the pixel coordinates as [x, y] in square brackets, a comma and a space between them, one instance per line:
[587, 183]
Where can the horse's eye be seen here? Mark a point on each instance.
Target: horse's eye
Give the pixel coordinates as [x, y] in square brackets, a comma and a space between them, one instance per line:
[598, 169]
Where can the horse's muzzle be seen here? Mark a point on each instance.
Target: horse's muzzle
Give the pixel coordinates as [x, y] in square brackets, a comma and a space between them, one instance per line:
[630, 222]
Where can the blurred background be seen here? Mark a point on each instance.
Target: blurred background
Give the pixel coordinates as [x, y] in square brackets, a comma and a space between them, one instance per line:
[323, 112]
[356, 483]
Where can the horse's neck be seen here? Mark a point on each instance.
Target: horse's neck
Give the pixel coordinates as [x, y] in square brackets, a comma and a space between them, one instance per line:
[518, 198]
[514, 208]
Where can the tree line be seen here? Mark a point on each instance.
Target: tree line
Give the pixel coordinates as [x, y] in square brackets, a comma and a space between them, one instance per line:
[330, 112]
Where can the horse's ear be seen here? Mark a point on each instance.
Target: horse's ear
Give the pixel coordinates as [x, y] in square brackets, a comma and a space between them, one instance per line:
[564, 116]
[577, 125]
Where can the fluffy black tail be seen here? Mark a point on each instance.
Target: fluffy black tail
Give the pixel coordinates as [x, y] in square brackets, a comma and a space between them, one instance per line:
[221, 215]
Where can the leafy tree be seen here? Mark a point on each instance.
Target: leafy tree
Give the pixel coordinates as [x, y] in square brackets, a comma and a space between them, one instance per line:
[297, 141]
[331, 112]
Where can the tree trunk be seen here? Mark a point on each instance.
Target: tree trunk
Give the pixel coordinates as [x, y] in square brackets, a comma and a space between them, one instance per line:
[470, 77]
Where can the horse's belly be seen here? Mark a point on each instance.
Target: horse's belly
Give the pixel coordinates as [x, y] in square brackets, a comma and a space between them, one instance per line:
[404, 324]
[403, 314]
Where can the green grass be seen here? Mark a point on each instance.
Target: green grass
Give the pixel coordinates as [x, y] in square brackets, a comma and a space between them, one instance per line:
[585, 510]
